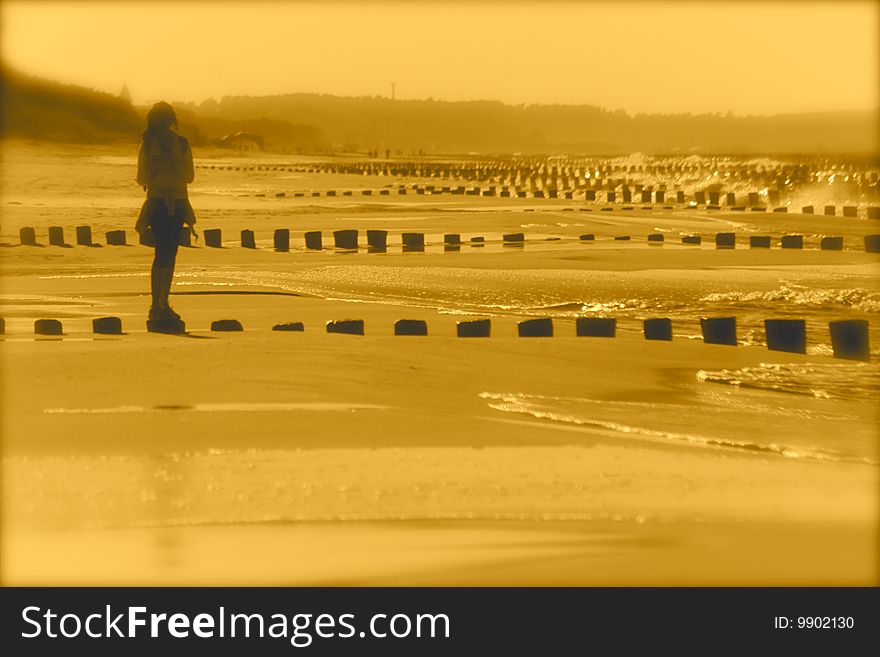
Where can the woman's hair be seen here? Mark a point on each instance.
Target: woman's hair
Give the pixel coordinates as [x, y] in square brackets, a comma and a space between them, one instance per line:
[160, 117]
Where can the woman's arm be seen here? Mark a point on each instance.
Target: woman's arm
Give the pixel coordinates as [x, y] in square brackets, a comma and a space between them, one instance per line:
[143, 174]
[188, 170]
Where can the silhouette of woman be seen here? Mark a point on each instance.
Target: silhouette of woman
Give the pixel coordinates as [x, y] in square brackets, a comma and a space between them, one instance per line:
[165, 167]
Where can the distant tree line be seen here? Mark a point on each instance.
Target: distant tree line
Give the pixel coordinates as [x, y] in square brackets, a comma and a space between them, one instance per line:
[39, 109]
[375, 123]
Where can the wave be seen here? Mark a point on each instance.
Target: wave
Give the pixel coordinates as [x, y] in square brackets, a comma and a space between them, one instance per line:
[851, 381]
[855, 298]
[617, 418]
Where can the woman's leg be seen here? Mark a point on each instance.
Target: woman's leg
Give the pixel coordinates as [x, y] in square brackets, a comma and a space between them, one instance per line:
[156, 282]
[166, 233]
[160, 281]
[161, 284]
[175, 227]
[167, 271]
[166, 275]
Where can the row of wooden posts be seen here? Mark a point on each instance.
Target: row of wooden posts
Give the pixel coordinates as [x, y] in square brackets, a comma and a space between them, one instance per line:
[377, 240]
[711, 200]
[849, 338]
[780, 175]
[728, 241]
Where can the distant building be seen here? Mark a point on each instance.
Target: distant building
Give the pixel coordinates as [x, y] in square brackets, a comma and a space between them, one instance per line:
[243, 141]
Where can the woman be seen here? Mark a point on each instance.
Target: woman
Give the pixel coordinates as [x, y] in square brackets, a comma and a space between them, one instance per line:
[165, 167]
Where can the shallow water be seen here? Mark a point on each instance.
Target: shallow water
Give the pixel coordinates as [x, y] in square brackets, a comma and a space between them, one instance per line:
[817, 295]
[734, 423]
[566, 294]
[851, 381]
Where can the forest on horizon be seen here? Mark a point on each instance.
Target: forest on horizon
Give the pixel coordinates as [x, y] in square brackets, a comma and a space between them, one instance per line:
[38, 109]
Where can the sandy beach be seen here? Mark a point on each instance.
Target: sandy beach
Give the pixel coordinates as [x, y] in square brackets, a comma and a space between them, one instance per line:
[268, 457]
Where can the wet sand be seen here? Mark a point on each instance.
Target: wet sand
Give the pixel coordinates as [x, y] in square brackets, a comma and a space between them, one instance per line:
[454, 553]
[306, 458]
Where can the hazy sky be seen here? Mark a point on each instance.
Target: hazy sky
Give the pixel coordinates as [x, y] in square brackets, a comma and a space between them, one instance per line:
[749, 57]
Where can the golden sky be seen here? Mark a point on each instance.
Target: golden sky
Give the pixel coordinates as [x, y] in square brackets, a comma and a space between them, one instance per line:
[749, 57]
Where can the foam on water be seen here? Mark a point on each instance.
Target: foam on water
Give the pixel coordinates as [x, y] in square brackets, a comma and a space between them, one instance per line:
[853, 381]
[792, 294]
[715, 424]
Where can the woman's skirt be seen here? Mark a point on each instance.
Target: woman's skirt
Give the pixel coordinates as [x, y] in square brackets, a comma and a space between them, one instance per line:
[165, 227]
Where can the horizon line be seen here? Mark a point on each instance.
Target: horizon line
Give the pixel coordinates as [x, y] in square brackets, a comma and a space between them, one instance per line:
[720, 113]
